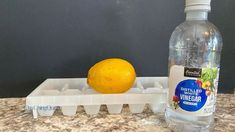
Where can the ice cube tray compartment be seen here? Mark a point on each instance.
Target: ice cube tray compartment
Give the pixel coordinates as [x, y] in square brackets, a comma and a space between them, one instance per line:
[68, 94]
[115, 108]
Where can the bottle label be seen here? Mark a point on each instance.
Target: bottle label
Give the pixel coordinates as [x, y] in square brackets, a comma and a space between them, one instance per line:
[193, 90]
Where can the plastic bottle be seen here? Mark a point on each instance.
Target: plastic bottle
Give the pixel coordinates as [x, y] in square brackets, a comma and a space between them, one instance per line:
[194, 63]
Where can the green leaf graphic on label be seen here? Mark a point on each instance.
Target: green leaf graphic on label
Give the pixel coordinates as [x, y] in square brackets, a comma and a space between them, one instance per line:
[208, 76]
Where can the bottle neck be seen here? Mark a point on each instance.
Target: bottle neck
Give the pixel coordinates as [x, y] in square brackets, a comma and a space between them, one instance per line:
[196, 15]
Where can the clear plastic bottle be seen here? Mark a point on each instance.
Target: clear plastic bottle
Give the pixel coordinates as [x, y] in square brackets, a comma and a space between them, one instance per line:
[194, 62]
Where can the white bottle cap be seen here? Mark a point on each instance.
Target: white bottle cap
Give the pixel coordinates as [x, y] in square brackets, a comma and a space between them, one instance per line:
[191, 5]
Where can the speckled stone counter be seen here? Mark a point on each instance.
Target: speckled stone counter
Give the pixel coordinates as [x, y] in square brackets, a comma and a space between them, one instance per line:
[13, 117]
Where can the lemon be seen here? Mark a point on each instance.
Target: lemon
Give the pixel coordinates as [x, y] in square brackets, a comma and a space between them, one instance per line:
[111, 76]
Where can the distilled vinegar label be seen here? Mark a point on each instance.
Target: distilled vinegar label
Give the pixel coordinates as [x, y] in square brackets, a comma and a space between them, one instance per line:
[193, 90]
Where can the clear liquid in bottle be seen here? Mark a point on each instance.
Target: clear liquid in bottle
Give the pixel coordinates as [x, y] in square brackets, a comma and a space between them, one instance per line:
[194, 63]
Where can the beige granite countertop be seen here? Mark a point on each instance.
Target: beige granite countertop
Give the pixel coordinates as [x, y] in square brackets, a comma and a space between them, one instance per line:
[13, 117]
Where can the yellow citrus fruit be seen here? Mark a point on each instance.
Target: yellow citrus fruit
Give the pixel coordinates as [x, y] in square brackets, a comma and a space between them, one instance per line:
[111, 76]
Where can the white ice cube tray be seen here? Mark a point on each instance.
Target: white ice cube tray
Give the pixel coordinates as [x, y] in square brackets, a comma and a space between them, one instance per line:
[67, 94]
